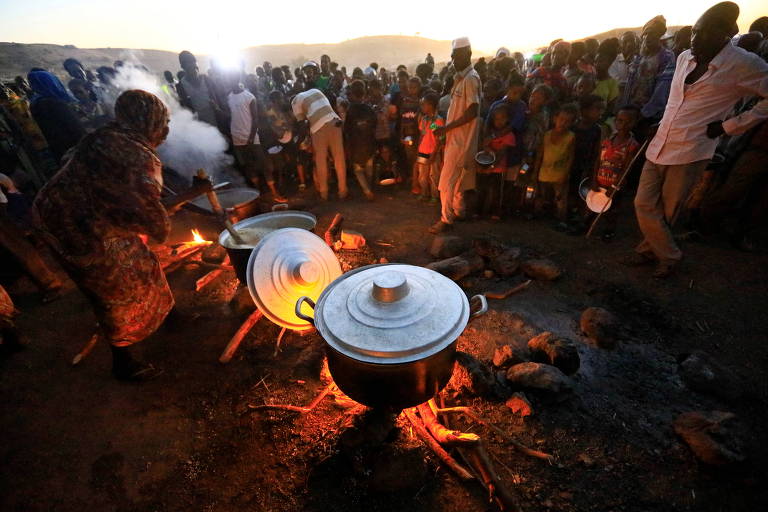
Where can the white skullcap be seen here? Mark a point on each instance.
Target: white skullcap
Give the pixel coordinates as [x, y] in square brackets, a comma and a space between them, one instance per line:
[460, 42]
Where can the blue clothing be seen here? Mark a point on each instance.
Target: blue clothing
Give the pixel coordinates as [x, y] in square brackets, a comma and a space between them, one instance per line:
[654, 109]
[517, 116]
[47, 85]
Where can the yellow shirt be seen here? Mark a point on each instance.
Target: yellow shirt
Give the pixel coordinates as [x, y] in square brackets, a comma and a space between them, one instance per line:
[557, 158]
[607, 89]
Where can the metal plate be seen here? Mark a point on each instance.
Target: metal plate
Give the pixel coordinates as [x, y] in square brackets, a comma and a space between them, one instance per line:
[228, 198]
[391, 314]
[598, 201]
[285, 265]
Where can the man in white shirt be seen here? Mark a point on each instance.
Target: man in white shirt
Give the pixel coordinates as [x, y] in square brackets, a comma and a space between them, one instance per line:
[324, 126]
[245, 139]
[709, 79]
[619, 70]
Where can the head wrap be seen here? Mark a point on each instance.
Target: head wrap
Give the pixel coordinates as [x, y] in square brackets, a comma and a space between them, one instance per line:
[47, 85]
[724, 14]
[142, 113]
[460, 42]
[656, 26]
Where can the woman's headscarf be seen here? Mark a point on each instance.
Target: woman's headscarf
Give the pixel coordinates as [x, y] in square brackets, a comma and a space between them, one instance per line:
[47, 85]
[143, 113]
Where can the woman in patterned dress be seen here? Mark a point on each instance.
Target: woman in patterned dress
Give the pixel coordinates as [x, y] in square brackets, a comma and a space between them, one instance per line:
[93, 213]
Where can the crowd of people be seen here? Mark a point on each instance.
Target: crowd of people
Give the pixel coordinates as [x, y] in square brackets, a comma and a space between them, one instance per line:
[680, 117]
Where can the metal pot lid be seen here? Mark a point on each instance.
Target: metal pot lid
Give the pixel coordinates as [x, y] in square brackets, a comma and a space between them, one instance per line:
[285, 265]
[391, 314]
[253, 229]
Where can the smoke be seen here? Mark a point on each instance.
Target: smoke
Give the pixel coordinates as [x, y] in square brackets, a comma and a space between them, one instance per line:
[191, 144]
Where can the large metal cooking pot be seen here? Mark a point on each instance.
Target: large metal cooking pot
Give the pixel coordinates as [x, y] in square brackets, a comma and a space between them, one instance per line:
[253, 229]
[390, 332]
[238, 203]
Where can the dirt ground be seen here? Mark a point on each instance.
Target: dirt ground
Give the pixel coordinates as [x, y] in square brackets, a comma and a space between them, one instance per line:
[75, 439]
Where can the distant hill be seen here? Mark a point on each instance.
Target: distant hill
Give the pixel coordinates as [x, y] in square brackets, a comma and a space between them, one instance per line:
[388, 51]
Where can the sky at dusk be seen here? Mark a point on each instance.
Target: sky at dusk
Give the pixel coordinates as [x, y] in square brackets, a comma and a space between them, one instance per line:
[225, 26]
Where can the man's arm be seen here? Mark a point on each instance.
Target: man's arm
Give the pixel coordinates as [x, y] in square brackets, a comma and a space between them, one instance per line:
[753, 83]
[469, 115]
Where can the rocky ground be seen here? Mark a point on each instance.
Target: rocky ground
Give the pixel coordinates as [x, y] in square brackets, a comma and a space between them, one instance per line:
[628, 413]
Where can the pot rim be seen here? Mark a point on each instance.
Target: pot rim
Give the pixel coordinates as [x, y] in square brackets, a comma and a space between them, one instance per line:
[225, 237]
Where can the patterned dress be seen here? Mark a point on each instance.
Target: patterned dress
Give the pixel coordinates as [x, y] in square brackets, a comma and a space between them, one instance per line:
[94, 209]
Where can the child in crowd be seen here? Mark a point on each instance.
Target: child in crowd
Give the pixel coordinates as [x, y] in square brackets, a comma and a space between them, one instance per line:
[380, 105]
[606, 86]
[430, 147]
[616, 154]
[588, 135]
[245, 138]
[360, 136]
[408, 110]
[386, 164]
[584, 86]
[282, 124]
[493, 89]
[499, 140]
[512, 101]
[553, 163]
[536, 125]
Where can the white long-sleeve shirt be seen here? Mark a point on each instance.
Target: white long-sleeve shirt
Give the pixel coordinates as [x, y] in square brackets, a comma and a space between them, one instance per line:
[733, 74]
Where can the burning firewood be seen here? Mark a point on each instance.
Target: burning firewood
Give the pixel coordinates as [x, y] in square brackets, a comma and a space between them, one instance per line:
[438, 450]
[333, 233]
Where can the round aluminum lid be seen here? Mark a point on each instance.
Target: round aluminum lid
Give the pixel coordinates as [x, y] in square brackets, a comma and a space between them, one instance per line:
[285, 265]
[391, 314]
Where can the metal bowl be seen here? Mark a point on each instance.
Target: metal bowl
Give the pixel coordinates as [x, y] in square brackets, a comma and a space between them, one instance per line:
[485, 158]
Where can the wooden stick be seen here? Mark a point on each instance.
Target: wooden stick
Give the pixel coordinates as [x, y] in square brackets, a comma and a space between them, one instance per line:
[279, 339]
[244, 329]
[497, 490]
[296, 408]
[85, 350]
[207, 279]
[444, 457]
[333, 230]
[518, 446]
[507, 293]
[218, 210]
[442, 434]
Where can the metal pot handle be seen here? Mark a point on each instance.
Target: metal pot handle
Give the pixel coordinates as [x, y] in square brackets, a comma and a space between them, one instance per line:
[483, 306]
[302, 315]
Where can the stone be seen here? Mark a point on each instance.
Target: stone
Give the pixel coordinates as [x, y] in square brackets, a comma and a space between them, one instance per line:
[601, 326]
[541, 269]
[507, 355]
[555, 350]
[539, 377]
[448, 246]
[714, 437]
[214, 253]
[458, 267]
[351, 240]
[488, 247]
[519, 404]
[702, 373]
[507, 263]
[474, 378]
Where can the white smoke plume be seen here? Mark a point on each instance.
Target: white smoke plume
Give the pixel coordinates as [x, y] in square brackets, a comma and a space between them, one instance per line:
[191, 144]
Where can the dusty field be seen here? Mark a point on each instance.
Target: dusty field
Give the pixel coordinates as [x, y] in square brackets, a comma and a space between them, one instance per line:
[75, 439]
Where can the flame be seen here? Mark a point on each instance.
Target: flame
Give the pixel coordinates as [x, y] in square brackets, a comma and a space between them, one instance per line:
[197, 237]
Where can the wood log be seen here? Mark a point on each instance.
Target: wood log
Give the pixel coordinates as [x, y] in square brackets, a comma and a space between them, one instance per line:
[333, 233]
[438, 450]
[207, 279]
[442, 434]
[244, 329]
[459, 266]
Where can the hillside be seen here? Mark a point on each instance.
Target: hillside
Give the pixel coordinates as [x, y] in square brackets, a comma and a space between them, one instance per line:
[388, 51]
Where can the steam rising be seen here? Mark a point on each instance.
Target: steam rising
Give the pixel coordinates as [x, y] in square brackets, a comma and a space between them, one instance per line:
[191, 144]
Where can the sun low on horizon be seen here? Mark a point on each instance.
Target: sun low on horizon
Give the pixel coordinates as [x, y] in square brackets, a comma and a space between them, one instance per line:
[227, 26]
